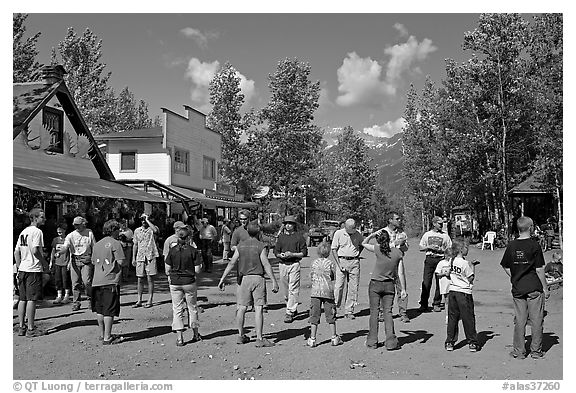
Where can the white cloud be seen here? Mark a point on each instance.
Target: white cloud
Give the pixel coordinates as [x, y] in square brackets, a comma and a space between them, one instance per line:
[361, 81]
[387, 129]
[201, 74]
[200, 38]
[324, 102]
[404, 55]
[247, 87]
[401, 29]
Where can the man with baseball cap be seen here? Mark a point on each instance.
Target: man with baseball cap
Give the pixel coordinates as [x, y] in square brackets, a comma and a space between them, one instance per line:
[172, 240]
[80, 242]
[290, 249]
[434, 243]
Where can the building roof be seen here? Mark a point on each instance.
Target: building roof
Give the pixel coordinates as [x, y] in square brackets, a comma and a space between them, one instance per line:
[28, 99]
[532, 185]
[155, 132]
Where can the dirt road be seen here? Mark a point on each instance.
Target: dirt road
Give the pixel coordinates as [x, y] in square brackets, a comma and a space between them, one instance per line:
[72, 350]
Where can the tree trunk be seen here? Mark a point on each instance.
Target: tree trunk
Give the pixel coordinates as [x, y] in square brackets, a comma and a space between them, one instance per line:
[503, 152]
[560, 220]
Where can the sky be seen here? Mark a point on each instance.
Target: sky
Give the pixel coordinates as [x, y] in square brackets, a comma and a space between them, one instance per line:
[364, 62]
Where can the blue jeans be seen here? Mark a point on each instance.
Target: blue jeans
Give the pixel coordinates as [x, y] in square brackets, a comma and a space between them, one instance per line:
[81, 279]
[529, 306]
[381, 291]
[430, 264]
[461, 306]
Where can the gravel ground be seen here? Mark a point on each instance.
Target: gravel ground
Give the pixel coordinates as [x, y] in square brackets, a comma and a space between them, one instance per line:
[71, 349]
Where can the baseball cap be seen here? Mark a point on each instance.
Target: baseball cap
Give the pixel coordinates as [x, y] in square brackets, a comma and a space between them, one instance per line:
[178, 224]
[291, 219]
[79, 220]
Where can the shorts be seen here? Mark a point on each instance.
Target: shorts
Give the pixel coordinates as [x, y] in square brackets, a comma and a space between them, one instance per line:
[146, 268]
[30, 286]
[316, 309]
[252, 291]
[106, 300]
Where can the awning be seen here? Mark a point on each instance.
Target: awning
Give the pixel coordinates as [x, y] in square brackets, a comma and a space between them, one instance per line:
[59, 183]
[211, 202]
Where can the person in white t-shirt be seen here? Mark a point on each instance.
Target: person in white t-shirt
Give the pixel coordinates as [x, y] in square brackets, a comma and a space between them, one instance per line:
[398, 239]
[461, 304]
[30, 262]
[80, 243]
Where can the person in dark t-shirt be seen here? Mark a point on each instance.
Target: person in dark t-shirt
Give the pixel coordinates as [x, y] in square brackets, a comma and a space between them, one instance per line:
[252, 260]
[524, 263]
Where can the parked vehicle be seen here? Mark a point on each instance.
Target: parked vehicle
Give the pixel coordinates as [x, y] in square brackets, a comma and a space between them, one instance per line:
[323, 231]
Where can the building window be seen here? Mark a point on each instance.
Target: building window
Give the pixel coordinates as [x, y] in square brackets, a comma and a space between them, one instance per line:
[209, 168]
[52, 120]
[127, 161]
[181, 161]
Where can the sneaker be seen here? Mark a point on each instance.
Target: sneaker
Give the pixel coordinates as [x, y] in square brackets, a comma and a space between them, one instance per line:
[264, 343]
[34, 332]
[449, 347]
[371, 346]
[337, 340]
[288, 318]
[311, 342]
[58, 300]
[243, 339]
[76, 306]
[404, 318]
[22, 330]
[437, 308]
[536, 355]
[473, 347]
[66, 299]
[350, 316]
[517, 355]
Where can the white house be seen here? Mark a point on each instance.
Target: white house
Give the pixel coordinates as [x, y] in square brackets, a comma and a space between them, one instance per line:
[178, 160]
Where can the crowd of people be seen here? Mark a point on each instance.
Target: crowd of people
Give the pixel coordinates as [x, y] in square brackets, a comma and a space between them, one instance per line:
[82, 264]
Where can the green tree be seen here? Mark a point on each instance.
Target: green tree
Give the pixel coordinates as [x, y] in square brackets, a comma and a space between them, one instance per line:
[126, 111]
[226, 119]
[351, 177]
[502, 39]
[87, 79]
[546, 84]
[25, 68]
[288, 141]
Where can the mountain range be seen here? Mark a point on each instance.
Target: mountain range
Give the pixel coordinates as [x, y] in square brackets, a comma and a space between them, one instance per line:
[385, 154]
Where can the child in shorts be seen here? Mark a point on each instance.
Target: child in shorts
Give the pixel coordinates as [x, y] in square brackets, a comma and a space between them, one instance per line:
[322, 275]
[59, 259]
